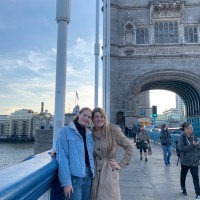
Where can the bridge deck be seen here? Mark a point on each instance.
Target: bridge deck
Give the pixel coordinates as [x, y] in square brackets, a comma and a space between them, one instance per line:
[153, 180]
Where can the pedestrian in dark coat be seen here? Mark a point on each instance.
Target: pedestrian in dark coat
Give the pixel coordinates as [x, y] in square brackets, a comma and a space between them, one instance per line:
[189, 151]
[134, 131]
[126, 130]
[165, 139]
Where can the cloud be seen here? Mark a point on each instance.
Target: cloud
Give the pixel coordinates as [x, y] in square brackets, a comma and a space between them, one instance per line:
[4, 96]
[30, 77]
[83, 51]
[8, 111]
[86, 98]
[80, 69]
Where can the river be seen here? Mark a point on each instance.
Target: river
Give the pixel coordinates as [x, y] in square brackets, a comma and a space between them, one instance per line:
[13, 153]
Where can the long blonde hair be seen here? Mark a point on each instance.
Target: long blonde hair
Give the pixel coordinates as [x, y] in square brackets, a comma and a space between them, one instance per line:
[106, 128]
[81, 111]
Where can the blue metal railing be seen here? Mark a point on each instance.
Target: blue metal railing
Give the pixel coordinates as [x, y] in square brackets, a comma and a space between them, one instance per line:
[174, 138]
[30, 179]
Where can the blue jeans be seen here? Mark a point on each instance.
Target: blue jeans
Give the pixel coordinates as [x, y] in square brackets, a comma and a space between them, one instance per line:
[81, 186]
[167, 152]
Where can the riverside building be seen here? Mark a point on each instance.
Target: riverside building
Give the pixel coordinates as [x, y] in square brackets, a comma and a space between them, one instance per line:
[4, 126]
[21, 124]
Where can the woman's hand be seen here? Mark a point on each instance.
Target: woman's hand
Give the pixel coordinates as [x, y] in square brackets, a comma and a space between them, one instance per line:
[114, 164]
[67, 190]
[53, 153]
[196, 143]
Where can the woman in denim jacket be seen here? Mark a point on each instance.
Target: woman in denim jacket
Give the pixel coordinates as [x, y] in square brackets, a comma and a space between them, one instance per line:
[74, 151]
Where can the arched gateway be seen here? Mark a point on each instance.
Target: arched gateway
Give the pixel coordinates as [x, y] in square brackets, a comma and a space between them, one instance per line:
[185, 84]
[154, 44]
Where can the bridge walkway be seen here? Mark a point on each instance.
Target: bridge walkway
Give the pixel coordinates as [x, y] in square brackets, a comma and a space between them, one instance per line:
[152, 180]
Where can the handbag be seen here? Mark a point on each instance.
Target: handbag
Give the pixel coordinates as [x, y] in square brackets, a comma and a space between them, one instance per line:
[138, 145]
[149, 149]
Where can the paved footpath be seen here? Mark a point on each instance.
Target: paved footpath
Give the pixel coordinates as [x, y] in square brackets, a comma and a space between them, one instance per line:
[153, 180]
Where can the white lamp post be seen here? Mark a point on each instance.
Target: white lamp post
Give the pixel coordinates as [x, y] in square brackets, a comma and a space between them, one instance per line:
[63, 9]
[96, 53]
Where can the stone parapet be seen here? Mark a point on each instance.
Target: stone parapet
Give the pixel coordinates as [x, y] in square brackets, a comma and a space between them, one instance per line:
[43, 140]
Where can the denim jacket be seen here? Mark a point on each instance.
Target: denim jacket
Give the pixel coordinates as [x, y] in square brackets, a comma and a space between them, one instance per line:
[71, 153]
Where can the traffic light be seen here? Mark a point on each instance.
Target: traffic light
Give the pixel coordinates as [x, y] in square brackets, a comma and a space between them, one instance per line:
[154, 111]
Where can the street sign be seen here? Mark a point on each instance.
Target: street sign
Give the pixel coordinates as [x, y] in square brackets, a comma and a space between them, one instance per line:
[144, 121]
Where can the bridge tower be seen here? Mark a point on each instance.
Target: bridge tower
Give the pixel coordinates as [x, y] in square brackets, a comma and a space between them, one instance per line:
[154, 44]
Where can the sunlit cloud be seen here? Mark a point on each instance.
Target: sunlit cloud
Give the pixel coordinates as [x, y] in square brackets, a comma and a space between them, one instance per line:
[8, 111]
[33, 77]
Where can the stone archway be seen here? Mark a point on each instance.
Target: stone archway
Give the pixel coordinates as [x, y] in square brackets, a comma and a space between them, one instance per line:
[181, 82]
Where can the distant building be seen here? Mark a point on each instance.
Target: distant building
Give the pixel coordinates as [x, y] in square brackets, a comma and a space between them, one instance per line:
[76, 109]
[44, 120]
[4, 126]
[70, 116]
[179, 103]
[174, 117]
[159, 121]
[21, 124]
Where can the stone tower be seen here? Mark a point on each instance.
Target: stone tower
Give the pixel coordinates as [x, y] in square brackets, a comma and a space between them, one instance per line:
[154, 44]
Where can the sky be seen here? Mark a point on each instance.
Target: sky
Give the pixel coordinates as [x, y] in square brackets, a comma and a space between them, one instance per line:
[28, 41]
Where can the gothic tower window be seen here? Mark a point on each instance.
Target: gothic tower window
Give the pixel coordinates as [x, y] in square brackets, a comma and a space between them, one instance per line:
[166, 32]
[129, 33]
[142, 36]
[191, 35]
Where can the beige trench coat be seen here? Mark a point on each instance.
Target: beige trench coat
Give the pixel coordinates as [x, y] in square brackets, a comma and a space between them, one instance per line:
[105, 185]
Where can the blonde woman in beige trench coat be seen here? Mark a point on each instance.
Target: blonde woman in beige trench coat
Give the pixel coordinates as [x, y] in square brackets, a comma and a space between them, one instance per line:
[108, 138]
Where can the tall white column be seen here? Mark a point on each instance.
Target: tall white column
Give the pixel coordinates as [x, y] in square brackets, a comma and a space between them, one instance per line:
[104, 54]
[108, 63]
[96, 53]
[63, 11]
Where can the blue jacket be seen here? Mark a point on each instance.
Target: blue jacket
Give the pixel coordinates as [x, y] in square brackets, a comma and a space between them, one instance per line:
[70, 153]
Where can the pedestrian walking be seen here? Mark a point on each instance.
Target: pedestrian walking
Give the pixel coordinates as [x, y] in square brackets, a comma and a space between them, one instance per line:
[142, 141]
[165, 139]
[134, 132]
[108, 138]
[126, 130]
[74, 151]
[189, 151]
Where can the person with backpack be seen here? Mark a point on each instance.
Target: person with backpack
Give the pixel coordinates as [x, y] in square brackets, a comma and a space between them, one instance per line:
[189, 148]
[165, 139]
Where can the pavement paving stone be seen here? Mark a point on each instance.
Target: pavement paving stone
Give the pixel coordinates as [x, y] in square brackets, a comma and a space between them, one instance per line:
[152, 180]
